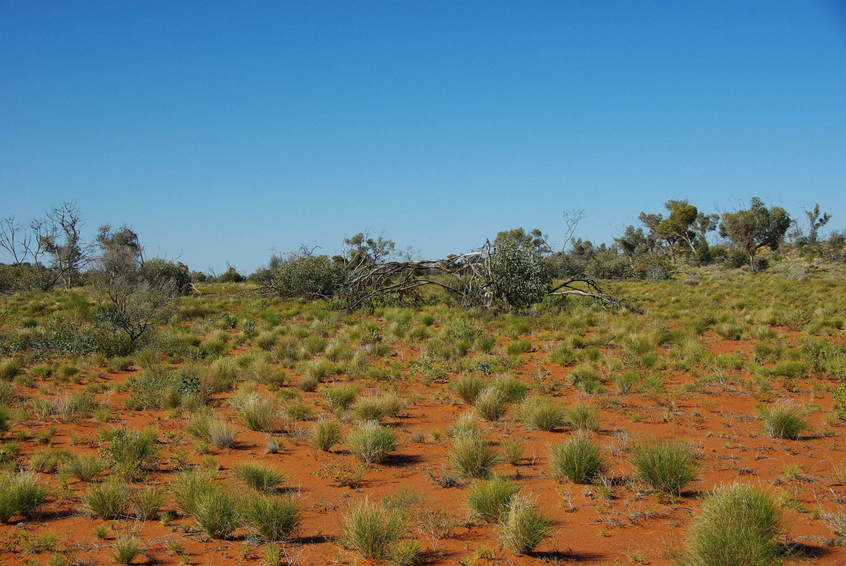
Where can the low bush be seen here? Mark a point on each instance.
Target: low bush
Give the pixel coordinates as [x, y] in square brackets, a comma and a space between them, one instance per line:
[523, 526]
[271, 517]
[577, 459]
[325, 434]
[472, 456]
[371, 442]
[259, 476]
[489, 499]
[738, 525]
[666, 466]
[129, 452]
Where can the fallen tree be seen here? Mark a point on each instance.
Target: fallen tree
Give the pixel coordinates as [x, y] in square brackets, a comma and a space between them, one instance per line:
[503, 277]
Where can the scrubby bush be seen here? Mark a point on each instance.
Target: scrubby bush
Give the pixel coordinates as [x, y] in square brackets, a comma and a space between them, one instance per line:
[468, 387]
[340, 398]
[524, 526]
[472, 456]
[491, 404]
[489, 499]
[129, 451]
[326, 434]
[786, 420]
[666, 466]
[373, 530]
[542, 414]
[371, 442]
[738, 525]
[577, 459]
[216, 511]
[214, 431]
[146, 502]
[20, 496]
[188, 486]
[375, 408]
[107, 500]
[259, 476]
[272, 517]
[83, 468]
[256, 412]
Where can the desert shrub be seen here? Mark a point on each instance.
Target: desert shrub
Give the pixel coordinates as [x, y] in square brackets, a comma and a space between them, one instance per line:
[48, 461]
[523, 526]
[130, 451]
[127, 547]
[371, 442]
[325, 434]
[513, 389]
[188, 486]
[542, 414]
[472, 456]
[83, 468]
[521, 276]
[786, 420]
[374, 408]
[583, 417]
[120, 363]
[10, 368]
[341, 397]
[373, 530]
[259, 476]
[468, 387]
[20, 496]
[491, 404]
[577, 459]
[216, 511]
[516, 347]
[298, 411]
[489, 499]
[301, 275]
[666, 466]
[271, 517]
[146, 502]
[738, 525]
[587, 379]
[107, 500]
[205, 427]
[256, 412]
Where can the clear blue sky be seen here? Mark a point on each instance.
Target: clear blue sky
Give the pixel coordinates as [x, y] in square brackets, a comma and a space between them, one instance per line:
[221, 131]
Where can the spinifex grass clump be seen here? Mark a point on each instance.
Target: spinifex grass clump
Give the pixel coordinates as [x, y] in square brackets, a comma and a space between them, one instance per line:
[373, 530]
[20, 496]
[542, 414]
[216, 511]
[107, 500]
[737, 526]
[786, 420]
[524, 526]
[489, 499]
[272, 517]
[129, 452]
[472, 456]
[325, 434]
[666, 466]
[577, 460]
[259, 476]
[371, 442]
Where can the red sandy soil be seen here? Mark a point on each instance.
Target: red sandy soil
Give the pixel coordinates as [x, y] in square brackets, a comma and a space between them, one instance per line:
[631, 527]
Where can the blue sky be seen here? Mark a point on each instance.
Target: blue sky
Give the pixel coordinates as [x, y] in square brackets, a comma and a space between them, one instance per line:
[222, 131]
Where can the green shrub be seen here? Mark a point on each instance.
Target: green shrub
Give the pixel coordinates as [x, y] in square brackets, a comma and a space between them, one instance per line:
[272, 518]
[216, 511]
[146, 502]
[107, 500]
[583, 417]
[524, 526]
[542, 414]
[468, 387]
[666, 466]
[83, 468]
[786, 420]
[130, 451]
[259, 476]
[379, 407]
[489, 499]
[472, 456]
[517, 347]
[48, 461]
[20, 496]
[371, 442]
[341, 397]
[9, 369]
[373, 530]
[256, 412]
[737, 526]
[187, 488]
[577, 459]
[491, 404]
[325, 434]
[127, 547]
